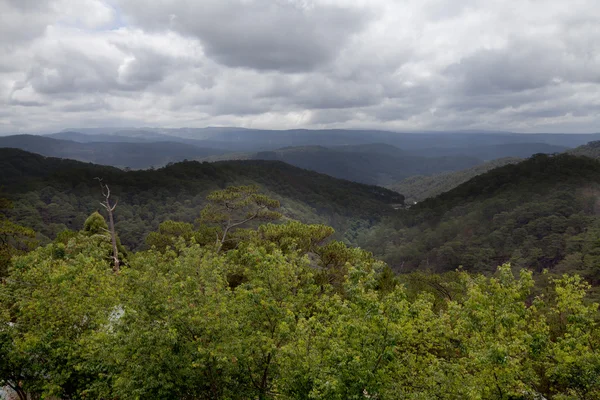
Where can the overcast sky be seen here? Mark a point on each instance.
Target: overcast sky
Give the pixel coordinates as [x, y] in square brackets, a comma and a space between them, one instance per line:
[520, 65]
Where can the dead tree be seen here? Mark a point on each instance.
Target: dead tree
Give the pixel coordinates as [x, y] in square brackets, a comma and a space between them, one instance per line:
[111, 222]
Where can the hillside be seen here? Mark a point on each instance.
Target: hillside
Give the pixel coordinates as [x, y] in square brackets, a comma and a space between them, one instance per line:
[374, 164]
[540, 213]
[591, 149]
[53, 194]
[133, 154]
[495, 151]
[418, 188]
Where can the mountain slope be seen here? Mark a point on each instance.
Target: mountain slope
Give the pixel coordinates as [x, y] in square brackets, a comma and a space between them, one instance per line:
[540, 213]
[492, 152]
[591, 149]
[119, 154]
[419, 187]
[53, 194]
[374, 164]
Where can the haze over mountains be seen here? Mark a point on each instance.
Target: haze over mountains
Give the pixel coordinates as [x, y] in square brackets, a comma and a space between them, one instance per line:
[258, 139]
[120, 153]
[374, 157]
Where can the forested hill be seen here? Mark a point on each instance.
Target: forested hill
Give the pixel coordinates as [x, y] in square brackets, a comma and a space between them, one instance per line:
[540, 213]
[374, 164]
[592, 150]
[53, 194]
[421, 187]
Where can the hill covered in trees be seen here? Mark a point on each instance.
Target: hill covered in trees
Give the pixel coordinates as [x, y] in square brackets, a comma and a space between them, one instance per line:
[420, 187]
[541, 213]
[591, 149]
[282, 314]
[233, 307]
[51, 194]
[375, 164]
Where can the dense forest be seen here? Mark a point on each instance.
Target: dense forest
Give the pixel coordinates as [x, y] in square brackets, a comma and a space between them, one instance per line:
[280, 312]
[374, 164]
[420, 187]
[224, 280]
[541, 214]
[51, 195]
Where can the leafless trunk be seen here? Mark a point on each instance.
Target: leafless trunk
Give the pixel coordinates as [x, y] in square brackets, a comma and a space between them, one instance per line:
[111, 223]
[18, 390]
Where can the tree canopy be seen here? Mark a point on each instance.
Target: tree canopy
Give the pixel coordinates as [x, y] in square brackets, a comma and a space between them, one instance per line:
[287, 313]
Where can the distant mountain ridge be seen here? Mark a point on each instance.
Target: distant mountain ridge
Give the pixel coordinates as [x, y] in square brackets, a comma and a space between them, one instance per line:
[257, 139]
[374, 164]
[137, 155]
[339, 153]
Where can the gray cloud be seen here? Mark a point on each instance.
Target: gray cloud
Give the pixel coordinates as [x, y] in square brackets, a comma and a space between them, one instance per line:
[265, 35]
[413, 65]
[523, 66]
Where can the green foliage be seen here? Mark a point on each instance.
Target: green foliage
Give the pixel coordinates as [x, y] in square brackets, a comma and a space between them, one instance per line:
[14, 239]
[95, 224]
[286, 315]
[239, 204]
[538, 214]
[295, 235]
[236, 206]
[55, 304]
[287, 312]
[167, 234]
[51, 195]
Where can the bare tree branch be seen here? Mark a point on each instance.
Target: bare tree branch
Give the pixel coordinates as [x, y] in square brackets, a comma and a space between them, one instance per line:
[109, 209]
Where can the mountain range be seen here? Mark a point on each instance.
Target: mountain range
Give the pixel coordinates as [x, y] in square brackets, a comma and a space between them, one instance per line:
[345, 154]
[118, 153]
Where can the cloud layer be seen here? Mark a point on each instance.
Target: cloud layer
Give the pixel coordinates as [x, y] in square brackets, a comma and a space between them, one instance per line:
[527, 66]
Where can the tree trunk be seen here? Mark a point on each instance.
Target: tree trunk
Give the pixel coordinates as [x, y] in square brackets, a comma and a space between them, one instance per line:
[113, 237]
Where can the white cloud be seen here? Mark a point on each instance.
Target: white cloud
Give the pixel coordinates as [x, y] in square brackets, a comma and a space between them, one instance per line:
[415, 64]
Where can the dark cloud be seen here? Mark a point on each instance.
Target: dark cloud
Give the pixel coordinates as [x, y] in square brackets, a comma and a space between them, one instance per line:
[263, 35]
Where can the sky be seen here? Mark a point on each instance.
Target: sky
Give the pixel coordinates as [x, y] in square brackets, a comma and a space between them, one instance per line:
[405, 65]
